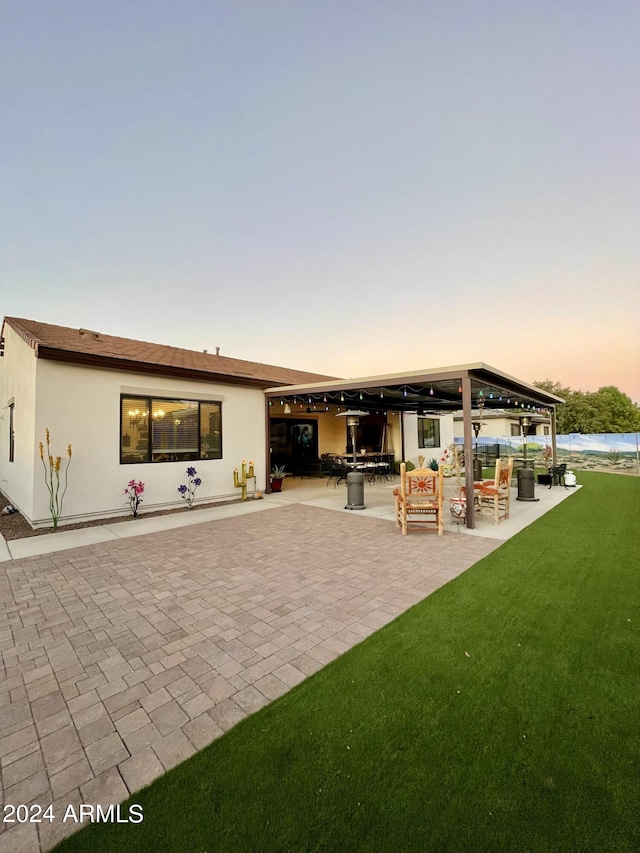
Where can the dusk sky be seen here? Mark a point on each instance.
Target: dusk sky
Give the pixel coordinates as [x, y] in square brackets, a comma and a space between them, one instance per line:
[347, 187]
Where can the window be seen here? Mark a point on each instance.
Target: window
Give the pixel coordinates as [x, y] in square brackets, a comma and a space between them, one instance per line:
[515, 429]
[545, 430]
[11, 433]
[154, 429]
[428, 432]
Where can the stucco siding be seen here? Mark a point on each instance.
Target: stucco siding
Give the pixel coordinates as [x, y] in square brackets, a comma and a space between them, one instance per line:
[81, 406]
[18, 385]
[411, 449]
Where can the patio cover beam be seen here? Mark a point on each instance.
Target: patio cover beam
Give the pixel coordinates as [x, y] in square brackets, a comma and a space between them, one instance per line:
[482, 377]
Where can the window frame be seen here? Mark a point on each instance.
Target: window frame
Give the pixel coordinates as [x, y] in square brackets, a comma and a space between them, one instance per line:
[147, 401]
[436, 433]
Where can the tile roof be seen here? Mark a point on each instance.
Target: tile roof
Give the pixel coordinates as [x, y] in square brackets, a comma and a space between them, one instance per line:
[85, 346]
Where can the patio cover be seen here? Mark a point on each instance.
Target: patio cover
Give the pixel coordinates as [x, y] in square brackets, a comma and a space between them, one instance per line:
[431, 391]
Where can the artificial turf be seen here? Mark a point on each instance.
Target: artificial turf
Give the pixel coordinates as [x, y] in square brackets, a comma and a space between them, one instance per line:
[500, 714]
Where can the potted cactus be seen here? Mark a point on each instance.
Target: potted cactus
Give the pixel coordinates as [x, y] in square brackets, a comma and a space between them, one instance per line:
[278, 474]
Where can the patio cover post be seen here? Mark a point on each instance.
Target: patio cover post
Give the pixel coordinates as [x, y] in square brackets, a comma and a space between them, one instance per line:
[468, 450]
[267, 444]
[554, 449]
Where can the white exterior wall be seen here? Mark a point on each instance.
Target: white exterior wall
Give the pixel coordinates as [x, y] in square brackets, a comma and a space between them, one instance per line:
[18, 385]
[81, 406]
[411, 449]
[493, 427]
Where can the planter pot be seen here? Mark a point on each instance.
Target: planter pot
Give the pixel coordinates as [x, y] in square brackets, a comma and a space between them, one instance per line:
[459, 508]
[276, 485]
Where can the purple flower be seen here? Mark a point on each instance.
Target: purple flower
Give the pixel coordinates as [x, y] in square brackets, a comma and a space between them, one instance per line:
[191, 472]
[182, 489]
[197, 481]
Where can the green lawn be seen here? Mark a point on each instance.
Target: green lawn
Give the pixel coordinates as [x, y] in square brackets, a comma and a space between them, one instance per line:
[502, 713]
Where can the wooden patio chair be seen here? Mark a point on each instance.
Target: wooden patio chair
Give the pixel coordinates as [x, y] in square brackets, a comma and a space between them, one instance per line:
[419, 499]
[496, 494]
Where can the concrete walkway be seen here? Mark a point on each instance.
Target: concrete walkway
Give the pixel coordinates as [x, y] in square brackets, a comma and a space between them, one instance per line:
[378, 498]
[124, 654]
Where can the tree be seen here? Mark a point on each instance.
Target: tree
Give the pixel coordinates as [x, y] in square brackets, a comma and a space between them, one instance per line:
[606, 410]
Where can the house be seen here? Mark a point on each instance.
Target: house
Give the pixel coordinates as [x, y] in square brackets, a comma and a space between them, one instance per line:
[123, 405]
[142, 411]
[504, 422]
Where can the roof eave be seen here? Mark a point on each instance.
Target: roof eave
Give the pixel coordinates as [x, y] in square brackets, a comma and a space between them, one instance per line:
[491, 376]
[114, 363]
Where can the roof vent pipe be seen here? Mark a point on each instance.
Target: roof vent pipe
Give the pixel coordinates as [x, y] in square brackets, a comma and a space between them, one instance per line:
[217, 350]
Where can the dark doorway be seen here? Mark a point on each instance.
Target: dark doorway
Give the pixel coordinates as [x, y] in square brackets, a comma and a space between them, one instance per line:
[294, 444]
[370, 433]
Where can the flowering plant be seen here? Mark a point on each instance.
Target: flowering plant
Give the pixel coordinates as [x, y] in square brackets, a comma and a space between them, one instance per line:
[188, 492]
[52, 479]
[134, 491]
[547, 456]
[453, 460]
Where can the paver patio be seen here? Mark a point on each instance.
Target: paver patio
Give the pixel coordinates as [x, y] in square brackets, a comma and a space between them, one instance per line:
[123, 658]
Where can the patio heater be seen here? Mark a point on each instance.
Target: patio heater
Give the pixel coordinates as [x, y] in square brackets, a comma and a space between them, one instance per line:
[477, 426]
[477, 462]
[353, 419]
[526, 483]
[355, 479]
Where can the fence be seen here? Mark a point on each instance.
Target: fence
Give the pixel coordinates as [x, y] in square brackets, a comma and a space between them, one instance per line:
[602, 451]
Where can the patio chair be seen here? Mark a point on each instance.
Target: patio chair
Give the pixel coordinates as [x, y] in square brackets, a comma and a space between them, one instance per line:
[496, 494]
[419, 499]
[557, 475]
[338, 470]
